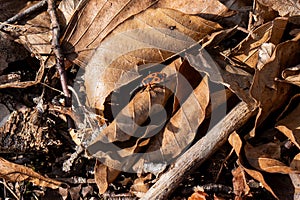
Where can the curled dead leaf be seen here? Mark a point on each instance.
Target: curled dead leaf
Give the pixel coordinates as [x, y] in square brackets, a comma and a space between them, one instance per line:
[290, 124]
[284, 8]
[236, 142]
[247, 51]
[292, 75]
[270, 94]
[16, 173]
[146, 39]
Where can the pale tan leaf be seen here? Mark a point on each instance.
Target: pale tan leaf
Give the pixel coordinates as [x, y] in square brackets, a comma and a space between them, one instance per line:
[270, 94]
[285, 8]
[68, 8]
[247, 51]
[16, 173]
[295, 164]
[290, 126]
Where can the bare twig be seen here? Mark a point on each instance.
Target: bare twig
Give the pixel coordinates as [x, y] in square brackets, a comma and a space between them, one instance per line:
[58, 53]
[199, 152]
[57, 49]
[25, 13]
[9, 189]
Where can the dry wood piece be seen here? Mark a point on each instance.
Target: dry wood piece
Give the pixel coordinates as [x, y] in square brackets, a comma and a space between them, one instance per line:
[57, 50]
[199, 152]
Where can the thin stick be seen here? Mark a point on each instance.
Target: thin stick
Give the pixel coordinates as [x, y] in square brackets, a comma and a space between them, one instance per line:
[60, 67]
[25, 13]
[199, 152]
[56, 47]
[9, 189]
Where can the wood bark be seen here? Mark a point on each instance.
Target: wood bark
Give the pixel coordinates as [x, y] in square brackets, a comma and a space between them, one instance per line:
[199, 152]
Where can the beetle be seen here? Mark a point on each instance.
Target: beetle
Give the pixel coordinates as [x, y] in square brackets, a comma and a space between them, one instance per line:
[154, 78]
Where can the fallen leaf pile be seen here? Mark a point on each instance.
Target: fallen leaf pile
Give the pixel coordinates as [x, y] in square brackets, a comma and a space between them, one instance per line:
[148, 79]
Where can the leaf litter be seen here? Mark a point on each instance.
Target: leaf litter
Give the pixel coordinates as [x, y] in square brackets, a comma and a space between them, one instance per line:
[120, 125]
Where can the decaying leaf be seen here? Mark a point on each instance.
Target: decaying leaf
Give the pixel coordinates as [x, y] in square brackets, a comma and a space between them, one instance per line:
[36, 34]
[180, 131]
[10, 8]
[18, 84]
[295, 177]
[104, 175]
[290, 124]
[150, 37]
[10, 51]
[292, 75]
[16, 173]
[270, 94]
[266, 158]
[212, 7]
[247, 51]
[141, 185]
[285, 8]
[237, 144]
[198, 195]
[68, 8]
[241, 189]
[236, 79]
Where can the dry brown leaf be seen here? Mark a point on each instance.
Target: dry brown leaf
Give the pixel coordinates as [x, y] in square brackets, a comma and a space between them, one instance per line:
[295, 177]
[292, 75]
[9, 8]
[149, 37]
[270, 94]
[295, 164]
[266, 158]
[10, 51]
[236, 142]
[36, 33]
[141, 185]
[240, 187]
[104, 175]
[68, 8]
[17, 84]
[95, 20]
[236, 79]
[16, 173]
[289, 125]
[285, 8]
[211, 7]
[247, 51]
[136, 112]
[179, 132]
[198, 195]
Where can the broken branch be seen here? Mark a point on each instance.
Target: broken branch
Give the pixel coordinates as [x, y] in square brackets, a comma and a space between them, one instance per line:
[199, 152]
